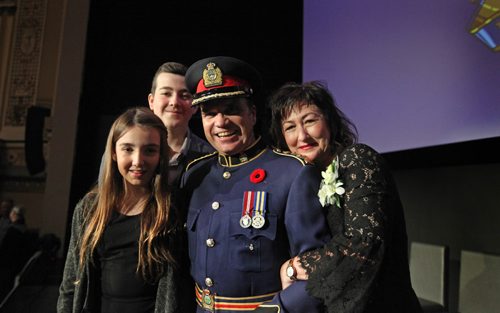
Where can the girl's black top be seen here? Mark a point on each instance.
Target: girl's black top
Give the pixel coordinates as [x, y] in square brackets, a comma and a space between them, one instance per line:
[122, 288]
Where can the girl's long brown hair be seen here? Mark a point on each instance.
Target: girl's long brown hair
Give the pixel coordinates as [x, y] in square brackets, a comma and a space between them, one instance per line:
[156, 218]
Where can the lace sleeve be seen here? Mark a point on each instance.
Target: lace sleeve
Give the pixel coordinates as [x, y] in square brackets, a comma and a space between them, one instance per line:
[343, 271]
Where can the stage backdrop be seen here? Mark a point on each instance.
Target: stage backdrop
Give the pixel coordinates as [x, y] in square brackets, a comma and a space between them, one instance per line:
[408, 73]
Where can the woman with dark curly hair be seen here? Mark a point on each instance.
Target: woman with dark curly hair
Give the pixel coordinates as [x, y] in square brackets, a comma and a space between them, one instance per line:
[364, 267]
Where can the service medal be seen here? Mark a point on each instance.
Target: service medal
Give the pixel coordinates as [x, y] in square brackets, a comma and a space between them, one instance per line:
[245, 221]
[258, 221]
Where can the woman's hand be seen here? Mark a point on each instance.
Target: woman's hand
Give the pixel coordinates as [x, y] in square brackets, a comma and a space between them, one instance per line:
[301, 273]
[285, 281]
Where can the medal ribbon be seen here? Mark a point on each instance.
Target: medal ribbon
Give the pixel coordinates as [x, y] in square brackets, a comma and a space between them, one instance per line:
[248, 203]
[260, 203]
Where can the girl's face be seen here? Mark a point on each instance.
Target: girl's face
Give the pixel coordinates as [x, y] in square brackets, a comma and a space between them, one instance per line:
[137, 154]
[307, 134]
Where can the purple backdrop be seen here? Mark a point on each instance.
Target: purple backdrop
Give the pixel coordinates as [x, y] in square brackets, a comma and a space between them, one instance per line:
[407, 73]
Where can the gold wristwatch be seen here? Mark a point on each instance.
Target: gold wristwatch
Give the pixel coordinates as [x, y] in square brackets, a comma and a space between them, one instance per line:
[291, 272]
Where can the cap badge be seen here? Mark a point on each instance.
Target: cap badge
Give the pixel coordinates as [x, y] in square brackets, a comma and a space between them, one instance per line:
[212, 75]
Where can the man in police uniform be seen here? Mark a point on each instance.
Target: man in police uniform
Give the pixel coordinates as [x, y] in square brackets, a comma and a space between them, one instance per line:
[249, 207]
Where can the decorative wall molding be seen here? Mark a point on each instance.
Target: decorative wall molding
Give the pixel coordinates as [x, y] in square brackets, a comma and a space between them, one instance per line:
[24, 66]
[19, 92]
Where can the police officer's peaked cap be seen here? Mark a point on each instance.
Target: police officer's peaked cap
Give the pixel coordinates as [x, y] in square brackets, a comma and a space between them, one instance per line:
[221, 77]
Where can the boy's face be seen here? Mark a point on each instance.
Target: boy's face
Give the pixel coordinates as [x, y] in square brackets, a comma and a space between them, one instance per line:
[171, 100]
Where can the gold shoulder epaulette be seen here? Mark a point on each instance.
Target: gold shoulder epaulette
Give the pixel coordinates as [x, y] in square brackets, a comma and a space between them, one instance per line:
[291, 155]
[199, 159]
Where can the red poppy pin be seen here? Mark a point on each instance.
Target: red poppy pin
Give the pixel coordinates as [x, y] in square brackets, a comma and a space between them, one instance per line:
[257, 176]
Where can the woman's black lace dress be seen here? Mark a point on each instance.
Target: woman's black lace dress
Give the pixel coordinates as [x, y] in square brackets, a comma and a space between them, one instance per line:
[364, 268]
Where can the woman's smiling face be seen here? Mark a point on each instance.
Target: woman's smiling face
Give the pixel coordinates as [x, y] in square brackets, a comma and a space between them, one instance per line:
[306, 133]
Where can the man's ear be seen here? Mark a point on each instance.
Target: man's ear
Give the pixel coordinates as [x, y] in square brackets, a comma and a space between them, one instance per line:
[151, 99]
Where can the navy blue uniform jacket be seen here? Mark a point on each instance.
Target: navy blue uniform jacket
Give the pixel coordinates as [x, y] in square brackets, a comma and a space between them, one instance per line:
[241, 262]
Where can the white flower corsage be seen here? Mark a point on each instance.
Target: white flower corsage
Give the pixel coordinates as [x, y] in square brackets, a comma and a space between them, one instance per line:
[331, 187]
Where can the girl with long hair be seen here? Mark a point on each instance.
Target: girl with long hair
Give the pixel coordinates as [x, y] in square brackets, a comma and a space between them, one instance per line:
[121, 253]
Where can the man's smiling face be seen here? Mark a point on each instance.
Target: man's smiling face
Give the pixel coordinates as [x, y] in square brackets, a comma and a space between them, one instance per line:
[229, 124]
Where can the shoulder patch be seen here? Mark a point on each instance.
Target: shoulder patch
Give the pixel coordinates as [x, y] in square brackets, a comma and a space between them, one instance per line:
[291, 155]
[206, 156]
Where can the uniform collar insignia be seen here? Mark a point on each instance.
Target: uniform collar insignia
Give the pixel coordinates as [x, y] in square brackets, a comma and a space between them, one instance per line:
[212, 75]
[244, 157]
